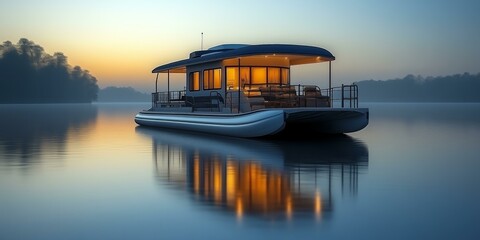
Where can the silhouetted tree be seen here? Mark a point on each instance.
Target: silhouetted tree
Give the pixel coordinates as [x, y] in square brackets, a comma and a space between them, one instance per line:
[30, 75]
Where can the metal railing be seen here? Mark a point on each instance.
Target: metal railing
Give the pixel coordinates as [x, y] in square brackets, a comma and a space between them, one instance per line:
[286, 96]
[164, 98]
[345, 95]
[216, 96]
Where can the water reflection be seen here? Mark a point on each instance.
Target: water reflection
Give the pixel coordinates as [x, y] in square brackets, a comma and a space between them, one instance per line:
[465, 114]
[273, 179]
[27, 131]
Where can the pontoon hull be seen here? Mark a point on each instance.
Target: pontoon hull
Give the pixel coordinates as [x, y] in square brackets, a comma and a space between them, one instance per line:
[261, 122]
[252, 124]
[326, 120]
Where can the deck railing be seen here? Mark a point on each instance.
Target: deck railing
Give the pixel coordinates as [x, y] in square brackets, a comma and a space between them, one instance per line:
[164, 98]
[287, 96]
[307, 96]
[345, 96]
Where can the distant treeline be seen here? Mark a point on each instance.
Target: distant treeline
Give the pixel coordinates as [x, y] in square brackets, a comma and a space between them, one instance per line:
[455, 88]
[122, 94]
[30, 75]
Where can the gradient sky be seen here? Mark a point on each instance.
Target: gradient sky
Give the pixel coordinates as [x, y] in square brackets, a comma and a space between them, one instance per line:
[121, 41]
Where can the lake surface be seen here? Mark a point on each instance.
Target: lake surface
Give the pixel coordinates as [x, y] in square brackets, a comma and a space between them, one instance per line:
[89, 172]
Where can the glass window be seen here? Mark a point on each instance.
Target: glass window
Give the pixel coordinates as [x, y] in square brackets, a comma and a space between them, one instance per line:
[285, 76]
[273, 75]
[194, 81]
[259, 75]
[232, 77]
[212, 79]
[217, 78]
[206, 77]
[245, 76]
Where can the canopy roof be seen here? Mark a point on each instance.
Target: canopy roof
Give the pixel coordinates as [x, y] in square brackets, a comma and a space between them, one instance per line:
[297, 54]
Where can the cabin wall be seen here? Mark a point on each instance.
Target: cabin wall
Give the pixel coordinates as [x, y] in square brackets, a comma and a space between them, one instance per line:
[201, 68]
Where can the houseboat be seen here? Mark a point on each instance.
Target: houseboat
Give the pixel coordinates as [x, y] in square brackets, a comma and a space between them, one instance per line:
[245, 91]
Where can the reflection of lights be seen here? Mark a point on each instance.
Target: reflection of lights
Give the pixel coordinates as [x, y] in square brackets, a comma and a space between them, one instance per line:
[217, 181]
[318, 204]
[244, 187]
[289, 209]
[196, 174]
[239, 208]
[206, 178]
[231, 178]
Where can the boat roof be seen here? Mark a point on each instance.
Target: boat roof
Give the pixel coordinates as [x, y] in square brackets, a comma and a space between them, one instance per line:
[296, 54]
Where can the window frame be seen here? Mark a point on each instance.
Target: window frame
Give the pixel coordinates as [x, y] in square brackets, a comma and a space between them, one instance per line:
[191, 85]
[281, 83]
[207, 86]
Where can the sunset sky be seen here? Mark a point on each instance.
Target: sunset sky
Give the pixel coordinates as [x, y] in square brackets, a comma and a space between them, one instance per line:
[121, 41]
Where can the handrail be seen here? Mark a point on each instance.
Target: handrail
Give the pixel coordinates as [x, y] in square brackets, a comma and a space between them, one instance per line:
[154, 99]
[229, 99]
[218, 97]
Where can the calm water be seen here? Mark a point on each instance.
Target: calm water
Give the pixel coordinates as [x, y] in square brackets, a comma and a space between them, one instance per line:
[88, 172]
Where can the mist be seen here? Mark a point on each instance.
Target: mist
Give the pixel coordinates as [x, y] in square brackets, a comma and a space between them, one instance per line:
[122, 94]
[453, 88]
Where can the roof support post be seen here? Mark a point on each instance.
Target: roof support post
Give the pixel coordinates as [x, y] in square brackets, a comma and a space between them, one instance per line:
[330, 92]
[156, 84]
[168, 86]
[238, 85]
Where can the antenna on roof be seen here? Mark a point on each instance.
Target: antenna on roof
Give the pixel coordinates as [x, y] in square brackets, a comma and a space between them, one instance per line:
[202, 43]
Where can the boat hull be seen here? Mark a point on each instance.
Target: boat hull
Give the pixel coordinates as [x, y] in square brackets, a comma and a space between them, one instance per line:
[261, 122]
[253, 124]
[326, 120]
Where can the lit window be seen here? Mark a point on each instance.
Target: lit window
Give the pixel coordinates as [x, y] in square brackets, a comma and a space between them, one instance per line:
[232, 77]
[259, 75]
[285, 76]
[273, 75]
[194, 81]
[212, 79]
[245, 76]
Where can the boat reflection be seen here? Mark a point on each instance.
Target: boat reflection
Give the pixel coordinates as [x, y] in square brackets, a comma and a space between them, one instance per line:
[274, 179]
